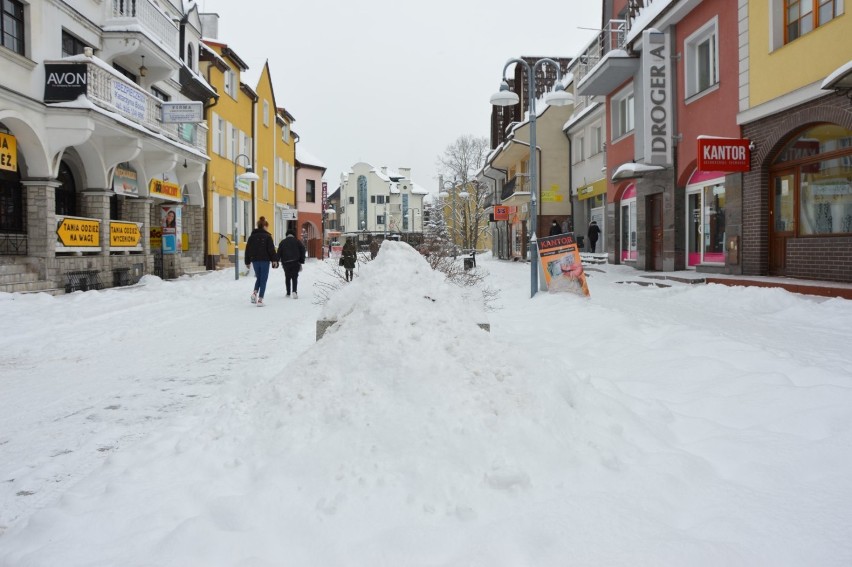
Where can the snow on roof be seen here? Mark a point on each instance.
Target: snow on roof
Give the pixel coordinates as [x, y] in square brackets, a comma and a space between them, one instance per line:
[307, 158]
[575, 118]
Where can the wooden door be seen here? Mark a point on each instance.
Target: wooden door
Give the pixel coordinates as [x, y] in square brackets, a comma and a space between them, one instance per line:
[655, 226]
[782, 219]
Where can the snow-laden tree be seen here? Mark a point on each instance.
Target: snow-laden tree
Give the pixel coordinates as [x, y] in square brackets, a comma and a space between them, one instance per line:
[458, 166]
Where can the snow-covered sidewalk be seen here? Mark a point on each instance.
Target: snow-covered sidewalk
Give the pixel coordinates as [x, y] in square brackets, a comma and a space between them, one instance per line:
[175, 424]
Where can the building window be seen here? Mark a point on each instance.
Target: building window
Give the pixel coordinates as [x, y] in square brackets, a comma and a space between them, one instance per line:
[579, 148]
[12, 26]
[219, 136]
[310, 191]
[812, 173]
[802, 16]
[12, 203]
[597, 140]
[701, 68]
[66, 193]
[230, 83]
[125, 72]
[190, 57]
[265, 184]
[285, 133]
[71, 45]
[160, 94]
[622, 114]
[266, 113]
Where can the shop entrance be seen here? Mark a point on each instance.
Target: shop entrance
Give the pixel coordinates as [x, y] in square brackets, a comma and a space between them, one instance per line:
[782, 220]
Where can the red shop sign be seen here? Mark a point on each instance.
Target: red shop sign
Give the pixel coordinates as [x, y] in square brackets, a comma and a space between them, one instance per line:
[501, 213]
[723, 154]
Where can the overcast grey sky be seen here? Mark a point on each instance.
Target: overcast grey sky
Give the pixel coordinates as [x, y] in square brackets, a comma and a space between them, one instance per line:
[392, 82]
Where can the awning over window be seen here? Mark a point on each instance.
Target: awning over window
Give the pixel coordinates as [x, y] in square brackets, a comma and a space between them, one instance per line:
[706, 177]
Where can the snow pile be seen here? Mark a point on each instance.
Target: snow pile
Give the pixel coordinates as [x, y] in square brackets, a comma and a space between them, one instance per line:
[692, 425]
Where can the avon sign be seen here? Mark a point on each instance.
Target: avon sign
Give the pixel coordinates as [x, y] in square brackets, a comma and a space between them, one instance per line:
[64, 82]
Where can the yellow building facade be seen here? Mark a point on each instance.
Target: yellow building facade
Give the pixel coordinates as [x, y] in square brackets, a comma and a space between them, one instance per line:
[231, 148]
[276, 157]
[793, 45]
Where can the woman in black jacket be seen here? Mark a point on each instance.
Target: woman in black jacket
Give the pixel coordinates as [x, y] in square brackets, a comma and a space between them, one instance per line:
[291, 253]
[260, 251]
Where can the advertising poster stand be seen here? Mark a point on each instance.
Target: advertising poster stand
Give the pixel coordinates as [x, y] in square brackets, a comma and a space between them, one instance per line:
[562, 265]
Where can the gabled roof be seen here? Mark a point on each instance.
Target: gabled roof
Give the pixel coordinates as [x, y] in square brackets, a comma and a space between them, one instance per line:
[227, 52]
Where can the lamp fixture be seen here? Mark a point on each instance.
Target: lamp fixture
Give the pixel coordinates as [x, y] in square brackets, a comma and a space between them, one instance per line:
[143, 70]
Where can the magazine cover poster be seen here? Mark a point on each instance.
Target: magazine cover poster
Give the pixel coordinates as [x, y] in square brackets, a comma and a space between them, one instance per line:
[561, 264]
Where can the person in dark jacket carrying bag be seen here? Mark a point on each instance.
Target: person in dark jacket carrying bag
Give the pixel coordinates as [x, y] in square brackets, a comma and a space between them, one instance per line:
[291, 253]
[260, 252]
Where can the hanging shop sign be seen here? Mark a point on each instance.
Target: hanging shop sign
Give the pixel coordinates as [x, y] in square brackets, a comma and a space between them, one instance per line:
[501, 213]
[591, 190]
[182, 112]
[164, 190]
[8, 152]
[74, 232]
[723, 154]
[63, 83]
[125, 181]
[125, 234]
[657, 104]
[289, 214]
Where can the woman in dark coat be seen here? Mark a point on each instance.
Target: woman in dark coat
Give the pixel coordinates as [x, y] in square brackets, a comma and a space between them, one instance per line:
[349, 258]
[260, 251]
[291, 254]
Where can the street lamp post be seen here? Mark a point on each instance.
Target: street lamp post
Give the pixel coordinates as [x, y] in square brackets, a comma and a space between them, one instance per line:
[249, 175]
[506, 97]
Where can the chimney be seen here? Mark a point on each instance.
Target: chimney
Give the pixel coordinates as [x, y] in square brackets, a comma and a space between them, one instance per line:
[405, 172]
[209, 25]
[384, 170]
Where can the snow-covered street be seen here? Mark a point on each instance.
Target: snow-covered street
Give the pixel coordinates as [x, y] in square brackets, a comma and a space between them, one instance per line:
[175, 424]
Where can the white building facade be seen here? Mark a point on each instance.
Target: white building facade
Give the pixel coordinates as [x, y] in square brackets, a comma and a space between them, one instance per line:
[102, 151]
[380, 201]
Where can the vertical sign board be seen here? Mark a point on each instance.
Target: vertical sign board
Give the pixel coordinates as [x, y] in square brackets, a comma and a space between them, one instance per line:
[8, 152]
[657, 97]
[63, 83]
[172, 229]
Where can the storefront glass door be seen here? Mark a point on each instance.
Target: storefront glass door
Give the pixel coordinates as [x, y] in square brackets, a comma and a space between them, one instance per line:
[705, 206]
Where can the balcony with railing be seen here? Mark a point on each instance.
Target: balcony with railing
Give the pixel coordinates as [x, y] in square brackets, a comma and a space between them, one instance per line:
[605, 63]
[518, 184]
[144, 16]
[111, 91]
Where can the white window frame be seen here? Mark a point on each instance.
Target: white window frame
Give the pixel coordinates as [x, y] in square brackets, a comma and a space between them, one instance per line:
[579, 147]
[596, 139]
[230, 80]
[265, 184]
[266, 113]
[285, 133]
[706, 35]
[623, 106]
